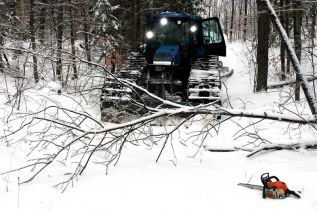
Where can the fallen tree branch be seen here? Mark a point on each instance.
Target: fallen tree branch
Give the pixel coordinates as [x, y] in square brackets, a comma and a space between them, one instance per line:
[285, 83]
[282, 147]
[234, 149]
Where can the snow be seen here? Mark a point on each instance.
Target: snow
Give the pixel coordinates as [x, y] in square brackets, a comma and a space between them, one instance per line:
[179, 180]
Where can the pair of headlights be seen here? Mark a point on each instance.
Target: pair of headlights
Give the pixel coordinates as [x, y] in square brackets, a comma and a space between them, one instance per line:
[163, 22]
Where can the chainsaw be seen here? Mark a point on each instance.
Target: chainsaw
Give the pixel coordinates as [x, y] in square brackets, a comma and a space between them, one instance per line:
[272, 188]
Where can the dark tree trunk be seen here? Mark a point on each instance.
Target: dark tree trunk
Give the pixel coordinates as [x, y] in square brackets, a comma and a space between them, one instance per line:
[232, 18]
[12, 6]
[1, 60]
[263, 46]
[72, 41]
[239, 32]
[59, 36]
[134, 23]
[245, 20]
[32, 30]
[86, 37]
[138, 23]
[297, 41]
[42, 20]
[313, 25]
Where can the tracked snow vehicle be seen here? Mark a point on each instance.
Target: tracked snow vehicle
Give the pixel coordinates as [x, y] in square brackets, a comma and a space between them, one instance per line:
[179, 62]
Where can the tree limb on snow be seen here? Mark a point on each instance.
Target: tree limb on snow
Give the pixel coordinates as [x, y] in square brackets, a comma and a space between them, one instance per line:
[285, 83]
[282, 147]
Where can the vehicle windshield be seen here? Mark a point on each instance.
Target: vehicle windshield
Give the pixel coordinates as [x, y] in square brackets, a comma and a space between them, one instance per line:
[174, 32]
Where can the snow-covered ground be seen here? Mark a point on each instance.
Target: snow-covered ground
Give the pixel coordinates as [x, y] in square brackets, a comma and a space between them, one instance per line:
[179, 181]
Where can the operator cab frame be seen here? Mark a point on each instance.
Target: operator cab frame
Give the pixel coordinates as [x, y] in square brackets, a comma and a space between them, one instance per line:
[195, 36]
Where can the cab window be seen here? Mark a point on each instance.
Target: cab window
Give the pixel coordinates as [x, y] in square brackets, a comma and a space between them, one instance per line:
[211, 32]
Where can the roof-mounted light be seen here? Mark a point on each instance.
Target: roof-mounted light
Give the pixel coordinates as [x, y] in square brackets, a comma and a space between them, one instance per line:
[149, 34]
[164, 21]
[193, 28]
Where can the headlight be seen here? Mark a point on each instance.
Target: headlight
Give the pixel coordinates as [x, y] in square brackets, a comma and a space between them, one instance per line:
[149, 34]
[193, 28]
[163, 21]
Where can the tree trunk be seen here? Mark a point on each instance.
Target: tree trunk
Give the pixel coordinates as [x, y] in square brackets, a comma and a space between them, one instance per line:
[287, 29]
[22, 12]
[42, 20]
[72, 41]
[263, 46]
[245, 20]
[313, 25]
[283, 48]
[226, 21]
[138, 24]
[297, 42]
[86, 37]
[1, 60]
[239, 32]
[134, 24]
[32, 30]
[232, 18]
[59, 36]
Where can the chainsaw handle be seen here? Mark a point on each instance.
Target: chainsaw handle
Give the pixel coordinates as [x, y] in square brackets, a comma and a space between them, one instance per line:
[265, 178]
[272, 177]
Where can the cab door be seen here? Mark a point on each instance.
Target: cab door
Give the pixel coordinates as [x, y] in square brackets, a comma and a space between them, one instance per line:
[212, 38]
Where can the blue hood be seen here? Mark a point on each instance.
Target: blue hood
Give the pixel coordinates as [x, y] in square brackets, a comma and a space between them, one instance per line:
[166, 55]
